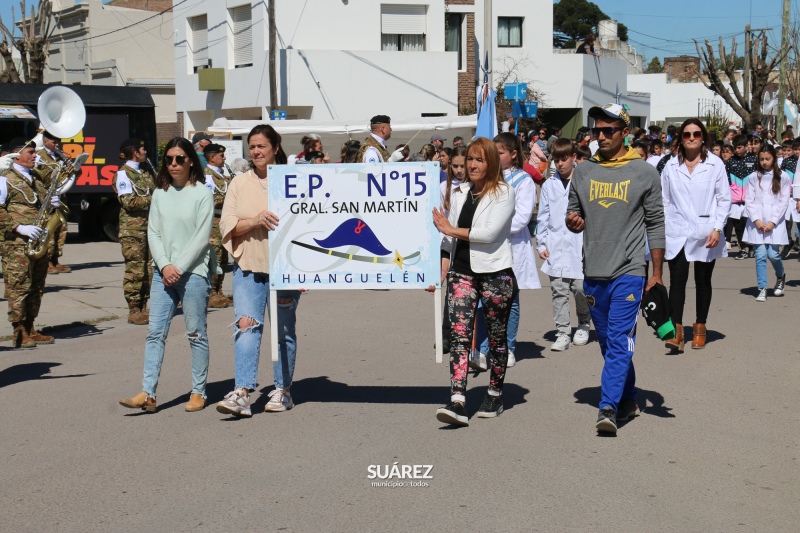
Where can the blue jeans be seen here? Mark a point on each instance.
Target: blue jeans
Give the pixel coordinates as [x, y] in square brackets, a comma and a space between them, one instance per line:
[764, 251]
[251, 299]
[482, 340]
[614, 305]
[192, 291]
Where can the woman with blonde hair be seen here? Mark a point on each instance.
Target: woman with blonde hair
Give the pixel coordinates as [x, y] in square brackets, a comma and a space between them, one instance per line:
[478, 228]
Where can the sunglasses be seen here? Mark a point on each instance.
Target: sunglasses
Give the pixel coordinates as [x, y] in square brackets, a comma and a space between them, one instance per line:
[690, 134]
[180, 159]
[607, 131]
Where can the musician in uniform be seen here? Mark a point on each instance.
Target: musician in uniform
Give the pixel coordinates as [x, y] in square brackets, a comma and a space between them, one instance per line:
[46, 160]
[373, 150]
[21, 196]
[134, 187]
[217, 181]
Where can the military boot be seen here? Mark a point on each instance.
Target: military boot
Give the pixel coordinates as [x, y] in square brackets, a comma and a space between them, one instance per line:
[21, 338]
[136, 316]
[37, 337]
[218, 300]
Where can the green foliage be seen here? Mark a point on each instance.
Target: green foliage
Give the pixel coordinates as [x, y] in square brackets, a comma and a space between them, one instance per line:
[573, 20]
[622, 31]
[654, 67]
[738, 63]
[162, 149]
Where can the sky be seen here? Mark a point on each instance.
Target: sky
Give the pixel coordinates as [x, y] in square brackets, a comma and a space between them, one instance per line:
[658, 29]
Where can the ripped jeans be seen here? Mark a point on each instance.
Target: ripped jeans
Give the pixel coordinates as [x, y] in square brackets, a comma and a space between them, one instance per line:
[192, 291]
[251, 299]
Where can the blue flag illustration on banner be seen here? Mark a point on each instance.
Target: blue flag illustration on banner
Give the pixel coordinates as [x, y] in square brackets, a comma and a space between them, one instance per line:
[354, 232]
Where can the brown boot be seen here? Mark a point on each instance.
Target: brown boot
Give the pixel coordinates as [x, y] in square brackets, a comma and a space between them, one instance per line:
[21, 338]
[142, 401]
[698, 336]
[135, 316]
[678, 342]
[218, 301]
[37, 337]
[196, 403]
[51, 270]
[58, 267]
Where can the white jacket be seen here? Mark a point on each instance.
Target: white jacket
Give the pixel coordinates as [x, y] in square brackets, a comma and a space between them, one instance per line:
[761, 204]
[694, 205]
[445, 244]
[489, 247]
[521, 246]
[565, 247]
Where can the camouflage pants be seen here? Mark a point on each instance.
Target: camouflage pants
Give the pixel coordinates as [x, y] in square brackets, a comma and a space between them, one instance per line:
[24, 280]
[57, 244]
[138, 268]
[222, 256]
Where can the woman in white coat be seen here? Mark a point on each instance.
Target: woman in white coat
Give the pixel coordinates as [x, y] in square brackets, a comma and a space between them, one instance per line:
[697, 200]
[768, 194]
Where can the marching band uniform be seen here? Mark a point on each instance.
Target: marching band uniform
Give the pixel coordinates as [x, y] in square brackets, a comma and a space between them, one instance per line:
[45, 159]
[134, 187]
[373, 149]
[218, 183]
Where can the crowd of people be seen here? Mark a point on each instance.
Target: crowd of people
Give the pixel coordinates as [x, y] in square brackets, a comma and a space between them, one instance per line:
[602, 212]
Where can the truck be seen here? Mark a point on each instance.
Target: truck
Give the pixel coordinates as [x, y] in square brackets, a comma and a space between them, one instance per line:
[113, 114]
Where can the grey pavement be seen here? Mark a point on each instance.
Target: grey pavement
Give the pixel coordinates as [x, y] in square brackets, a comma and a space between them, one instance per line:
[716, 449]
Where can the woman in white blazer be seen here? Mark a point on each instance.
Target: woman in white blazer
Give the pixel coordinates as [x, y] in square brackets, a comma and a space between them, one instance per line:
[767, 199]
[481, 261]
[697, 200]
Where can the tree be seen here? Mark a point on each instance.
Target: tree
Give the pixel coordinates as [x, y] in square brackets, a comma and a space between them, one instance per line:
[32, 45]
[622, 32]
[761, 73]
[573, 20]
[793, 70]
[654, 67]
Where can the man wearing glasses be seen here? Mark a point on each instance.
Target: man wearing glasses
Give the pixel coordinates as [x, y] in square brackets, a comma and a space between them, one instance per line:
[615, 199]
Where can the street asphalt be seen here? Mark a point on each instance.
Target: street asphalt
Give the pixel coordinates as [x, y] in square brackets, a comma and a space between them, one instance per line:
[715, 450]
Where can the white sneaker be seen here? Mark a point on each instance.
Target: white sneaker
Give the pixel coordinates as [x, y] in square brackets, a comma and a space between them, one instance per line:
[762, 295]
[581, 336]
[562, 343]
[236, 403]
[477, 360]
[279, 400]
[511, 360]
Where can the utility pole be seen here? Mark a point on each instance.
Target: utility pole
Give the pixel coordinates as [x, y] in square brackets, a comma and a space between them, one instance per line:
[273, 77]
[781, 119]
[747, 55]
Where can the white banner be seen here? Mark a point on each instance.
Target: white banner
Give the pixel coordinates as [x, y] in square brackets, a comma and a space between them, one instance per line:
[354, 226]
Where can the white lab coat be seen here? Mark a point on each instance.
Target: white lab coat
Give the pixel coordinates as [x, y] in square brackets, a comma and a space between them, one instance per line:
[565, 247]
[694, 205]
[521, 246]
[761, 204]
[791, 210]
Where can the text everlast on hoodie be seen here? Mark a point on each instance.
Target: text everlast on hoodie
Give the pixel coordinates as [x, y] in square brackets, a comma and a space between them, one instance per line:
[619, 200]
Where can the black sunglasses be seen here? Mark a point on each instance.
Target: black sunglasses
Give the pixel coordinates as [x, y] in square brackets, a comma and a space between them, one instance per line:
[607, 131]
[180, 159]
[690, 134]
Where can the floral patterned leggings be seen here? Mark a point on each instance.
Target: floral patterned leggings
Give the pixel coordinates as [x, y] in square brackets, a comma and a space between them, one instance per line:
[497, 292]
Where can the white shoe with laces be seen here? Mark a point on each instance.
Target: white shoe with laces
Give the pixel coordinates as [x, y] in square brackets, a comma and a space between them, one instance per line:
[511, 360]
[762, 295]
[562, 343]
[236, 403]
[279, 400]
[477, 360]
[581, 336]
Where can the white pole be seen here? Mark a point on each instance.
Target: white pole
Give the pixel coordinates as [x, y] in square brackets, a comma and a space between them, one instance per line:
[273, 323]
[437, 322]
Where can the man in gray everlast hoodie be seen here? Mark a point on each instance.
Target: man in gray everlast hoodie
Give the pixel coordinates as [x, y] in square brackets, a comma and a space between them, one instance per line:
[616, 200]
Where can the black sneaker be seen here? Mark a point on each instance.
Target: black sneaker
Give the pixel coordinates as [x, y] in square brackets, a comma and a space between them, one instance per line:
[786, 251]
[453, 413]
[607, 421]
[742, 255]
[491, 407]
[780, 286]
[627, 409]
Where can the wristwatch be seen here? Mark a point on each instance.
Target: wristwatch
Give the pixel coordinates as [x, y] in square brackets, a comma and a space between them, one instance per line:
[717, 229]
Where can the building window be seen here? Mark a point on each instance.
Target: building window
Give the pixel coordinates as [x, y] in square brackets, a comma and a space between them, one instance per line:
[509, 32]
[199, 41]
[453, 36]
[242, 24]
[403, 27]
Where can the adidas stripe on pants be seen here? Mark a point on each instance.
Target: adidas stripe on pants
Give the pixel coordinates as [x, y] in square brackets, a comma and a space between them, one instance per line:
[614, 305]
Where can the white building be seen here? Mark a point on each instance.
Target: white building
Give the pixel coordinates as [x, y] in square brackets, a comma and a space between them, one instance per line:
[96, 44]
[341, 60]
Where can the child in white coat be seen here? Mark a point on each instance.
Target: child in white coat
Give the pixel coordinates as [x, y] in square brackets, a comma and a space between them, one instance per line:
[562, 250]
[766, 202]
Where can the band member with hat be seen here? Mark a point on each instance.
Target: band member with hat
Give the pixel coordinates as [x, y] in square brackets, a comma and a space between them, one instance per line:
[134, 187]
[46, 164]
[21, 195]
[373, 150]
[217, 181]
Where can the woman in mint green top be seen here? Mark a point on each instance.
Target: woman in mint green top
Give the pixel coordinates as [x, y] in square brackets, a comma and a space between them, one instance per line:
[179, 226]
